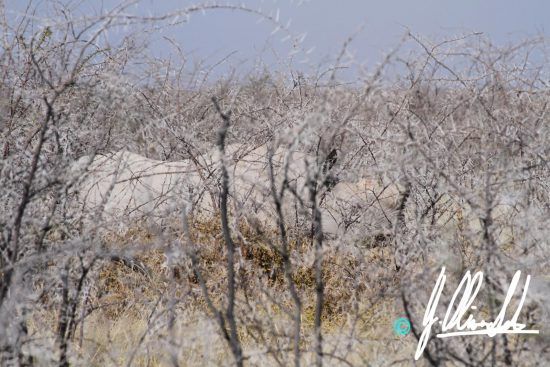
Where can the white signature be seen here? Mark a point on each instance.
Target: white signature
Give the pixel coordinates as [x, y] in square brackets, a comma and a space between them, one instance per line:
[470, 326]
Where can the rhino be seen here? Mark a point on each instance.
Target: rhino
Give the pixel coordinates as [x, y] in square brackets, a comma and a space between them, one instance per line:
[126, 185]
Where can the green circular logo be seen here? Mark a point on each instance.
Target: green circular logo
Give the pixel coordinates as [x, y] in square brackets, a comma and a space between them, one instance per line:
[402, 326]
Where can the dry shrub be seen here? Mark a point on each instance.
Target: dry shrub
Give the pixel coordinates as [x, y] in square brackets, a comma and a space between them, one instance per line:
[123, 290]
[465, 121]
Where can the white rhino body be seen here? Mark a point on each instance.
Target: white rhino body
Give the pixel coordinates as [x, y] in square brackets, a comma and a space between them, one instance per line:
[127, 184]
[124, 185]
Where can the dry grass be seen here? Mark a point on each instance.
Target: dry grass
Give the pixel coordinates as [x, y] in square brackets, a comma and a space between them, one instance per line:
[124, 304]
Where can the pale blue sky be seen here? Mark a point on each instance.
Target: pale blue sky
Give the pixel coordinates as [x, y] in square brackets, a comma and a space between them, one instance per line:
[328, 23]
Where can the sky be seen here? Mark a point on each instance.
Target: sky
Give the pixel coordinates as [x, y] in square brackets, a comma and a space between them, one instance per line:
[217, 34]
